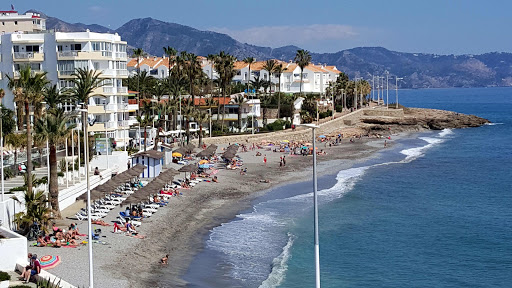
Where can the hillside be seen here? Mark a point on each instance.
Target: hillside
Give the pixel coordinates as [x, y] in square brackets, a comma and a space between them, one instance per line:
[419, 70]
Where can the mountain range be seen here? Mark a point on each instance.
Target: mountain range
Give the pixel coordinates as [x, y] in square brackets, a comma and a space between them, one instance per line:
[419, 70]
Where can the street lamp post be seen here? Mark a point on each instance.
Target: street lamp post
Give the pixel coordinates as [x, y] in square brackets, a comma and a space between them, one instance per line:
[315, 206]
[89, 224]
[373, 87]
[73, 155]
[106, 134]
[210, 110]
[2, 147]
[78, 141]
[396, 89]
[387, 89]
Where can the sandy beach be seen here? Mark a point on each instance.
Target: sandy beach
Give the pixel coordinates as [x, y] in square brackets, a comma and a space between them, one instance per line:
[179, 229]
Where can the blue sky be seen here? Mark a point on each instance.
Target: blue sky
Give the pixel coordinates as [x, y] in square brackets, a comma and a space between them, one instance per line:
[433, 26]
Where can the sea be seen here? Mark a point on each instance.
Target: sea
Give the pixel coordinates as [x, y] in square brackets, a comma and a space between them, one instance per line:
[432, 210]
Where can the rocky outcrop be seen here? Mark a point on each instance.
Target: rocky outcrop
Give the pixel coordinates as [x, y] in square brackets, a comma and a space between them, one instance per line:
[428, 119]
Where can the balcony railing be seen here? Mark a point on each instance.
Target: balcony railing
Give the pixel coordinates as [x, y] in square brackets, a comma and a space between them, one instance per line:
[122, 89]
[122, 72]
[116, 107]
[124, 123]
[106, 53]
[110, 125]
[67, 53]
[108, 89]
[120, 54]
[23, 55]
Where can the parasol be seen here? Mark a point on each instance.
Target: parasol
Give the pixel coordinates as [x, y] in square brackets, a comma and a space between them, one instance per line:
[203, 162]
[176, 154]
[49, 262]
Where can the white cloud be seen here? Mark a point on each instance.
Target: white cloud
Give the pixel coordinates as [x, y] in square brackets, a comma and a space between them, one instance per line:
[96, 9]
[277, 36]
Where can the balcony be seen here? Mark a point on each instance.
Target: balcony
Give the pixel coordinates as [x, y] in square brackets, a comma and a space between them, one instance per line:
[124, 123]
[32, 73]
[120, 54]
[110, 125]
[122, 90]
[109, 90]
[82, 55]
[95, 109]
[28, 56]
[122, 72]
[117, 107]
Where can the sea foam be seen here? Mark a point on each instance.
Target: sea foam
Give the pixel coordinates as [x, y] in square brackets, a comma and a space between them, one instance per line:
[279, 266]
[416, 152]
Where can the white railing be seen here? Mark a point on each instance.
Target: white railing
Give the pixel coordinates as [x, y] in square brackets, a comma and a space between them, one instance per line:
[108, 90]
[64, 73]
[111, 107]
[23, 55]
[108, 72]
[122, 72]
[120, 54]
[109, 125]
[123, 123]
[122, 89]
[106, 53]
[67, 53]
[122, 106]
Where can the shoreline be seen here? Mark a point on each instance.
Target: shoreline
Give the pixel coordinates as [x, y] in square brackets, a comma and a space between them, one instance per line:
[181, 228]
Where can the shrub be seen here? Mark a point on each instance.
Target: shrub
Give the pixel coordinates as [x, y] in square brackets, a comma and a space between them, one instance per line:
[19, 188]
[325, 114]
[60, 174]
[278, 125]
[339, 108]
[4, 276]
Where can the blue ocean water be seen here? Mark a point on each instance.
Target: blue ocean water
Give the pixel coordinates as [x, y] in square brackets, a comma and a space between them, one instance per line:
[432, 211]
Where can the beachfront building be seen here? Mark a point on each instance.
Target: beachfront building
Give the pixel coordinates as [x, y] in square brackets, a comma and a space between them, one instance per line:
[157, 67]
[59, 54]
[12, 22]
[315, 78]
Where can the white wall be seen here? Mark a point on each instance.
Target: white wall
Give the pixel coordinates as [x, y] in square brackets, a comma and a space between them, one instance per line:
[13, 250]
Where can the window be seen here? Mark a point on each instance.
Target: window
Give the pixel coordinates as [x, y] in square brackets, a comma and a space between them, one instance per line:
[107, 83]
[16, 48]
[76, 47]
[120, 65]
[59, 48]
[96, 46]
[238, 73]
[96, 65]
[32, 48]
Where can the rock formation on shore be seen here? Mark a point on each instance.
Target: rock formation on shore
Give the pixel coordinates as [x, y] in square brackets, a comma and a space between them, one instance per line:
[430, 119]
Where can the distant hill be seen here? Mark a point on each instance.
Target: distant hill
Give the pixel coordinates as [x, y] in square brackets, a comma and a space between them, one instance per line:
[420, 70]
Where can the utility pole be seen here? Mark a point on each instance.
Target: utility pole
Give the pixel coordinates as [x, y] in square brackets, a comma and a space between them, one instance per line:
[396, 89]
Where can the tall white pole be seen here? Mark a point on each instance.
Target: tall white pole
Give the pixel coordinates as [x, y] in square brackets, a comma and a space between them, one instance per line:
[355, 95]
[78, 140]
[315, 204]
[210, 110]
[66, 160]
[2, 148]
[73, 156]
[333, 107]
[89, 224]
[106, 134]
[387, 89]
[373, 87]
[396, 89]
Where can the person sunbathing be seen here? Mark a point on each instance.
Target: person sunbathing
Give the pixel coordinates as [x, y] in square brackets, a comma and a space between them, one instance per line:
[118, 228]
[100, 222]
[215, 179]
[70, 241]
[57, 243]
[41, 242]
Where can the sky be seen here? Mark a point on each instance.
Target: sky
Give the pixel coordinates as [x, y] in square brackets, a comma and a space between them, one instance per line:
[433, 26]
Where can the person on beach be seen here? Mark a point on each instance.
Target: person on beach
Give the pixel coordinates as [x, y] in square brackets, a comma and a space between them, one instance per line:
[40, 241]
[164, 259]
[215, 179]
[265, 159]
[284, 160]
[34, 270]
[29, 266]
[385, 143]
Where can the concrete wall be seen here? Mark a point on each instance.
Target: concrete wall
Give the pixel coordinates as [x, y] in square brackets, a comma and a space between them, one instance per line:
[118, 159]
[13, 250]
[383, 112]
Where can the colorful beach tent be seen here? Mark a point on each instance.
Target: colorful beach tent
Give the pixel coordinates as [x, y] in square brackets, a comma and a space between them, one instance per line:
[176, 154]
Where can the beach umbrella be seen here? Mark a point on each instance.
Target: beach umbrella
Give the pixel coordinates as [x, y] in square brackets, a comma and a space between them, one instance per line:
[308, 144]
[204, 166]
[188, 168]
[176, 154]
[203, 162]
[286, 141]
[181, 150]
[321, 136]
[49, 262]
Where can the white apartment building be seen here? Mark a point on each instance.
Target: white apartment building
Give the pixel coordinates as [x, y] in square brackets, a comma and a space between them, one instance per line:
[12, 22]
[315, 78]
[59, 54]
[157, 67]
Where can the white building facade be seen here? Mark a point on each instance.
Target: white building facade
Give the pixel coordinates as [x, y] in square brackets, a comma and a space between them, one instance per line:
[12, 22]
[59, 54]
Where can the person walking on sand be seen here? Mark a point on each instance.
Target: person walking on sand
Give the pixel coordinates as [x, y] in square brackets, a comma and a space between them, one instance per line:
[265, 159]
[284, 160]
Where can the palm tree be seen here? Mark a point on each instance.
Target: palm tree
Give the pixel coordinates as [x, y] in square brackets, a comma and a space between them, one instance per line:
[177, 85]
[171, 53]
[224, 65]
[278, 70]
[270, 65]
[201, 118]
[240, 100]
[138, 53]
[27, 89]
[144, 121]
[17, 141]
[54, 128]
[249, 60]
[302, 59]
[257, 83]
[35, 208]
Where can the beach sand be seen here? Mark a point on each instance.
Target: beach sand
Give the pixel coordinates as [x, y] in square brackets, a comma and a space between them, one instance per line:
[179, 229]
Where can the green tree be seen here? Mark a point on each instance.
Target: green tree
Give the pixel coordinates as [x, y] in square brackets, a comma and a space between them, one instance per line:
[240, 100]
[249, 60]
[224, 65]
[302, 59]
[54, 128]
[17, 141]
[35, 207]
[201, 118]
[28, 89]
[278, 71]
[270, 66]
